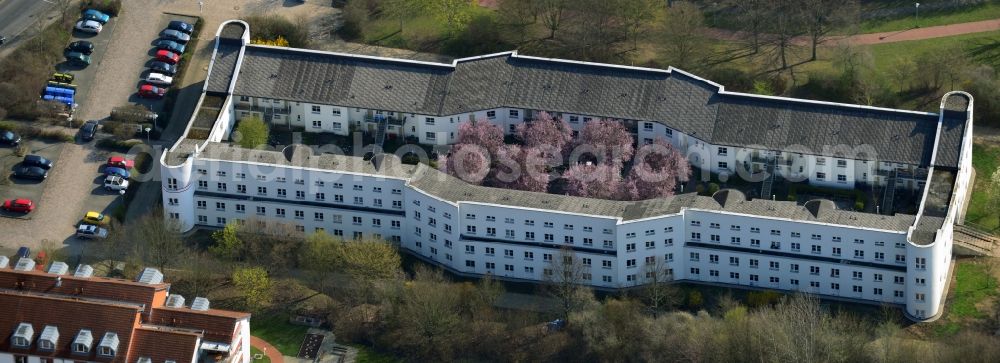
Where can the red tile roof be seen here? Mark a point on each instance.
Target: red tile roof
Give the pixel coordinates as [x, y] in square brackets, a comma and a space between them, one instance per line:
[218, 325]
[161, 344]
[133, 310]
[69, 315]
[94, 287]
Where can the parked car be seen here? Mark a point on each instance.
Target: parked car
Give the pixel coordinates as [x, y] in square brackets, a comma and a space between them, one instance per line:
[167, 56]
[151, 91]
[20, 205]
[163, 67]
[170, 45]
[111, 170]
[89, 231]
[10, 138]
[120, 162]
[35, 160]
[88, 130]
[181, 26]
[30, 172]
[94, 217]
[159, 79]
[78, 58]
[96, 15]
[88, 26]
[176, 36]
[63, 77]
[80, 46]
[114, 183]
[23, 252]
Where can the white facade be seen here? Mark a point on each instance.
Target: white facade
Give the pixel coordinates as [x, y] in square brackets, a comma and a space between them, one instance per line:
[842, 260]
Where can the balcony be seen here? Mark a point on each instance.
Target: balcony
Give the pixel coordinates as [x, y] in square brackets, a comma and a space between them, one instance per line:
[263, 109]
[392, 119]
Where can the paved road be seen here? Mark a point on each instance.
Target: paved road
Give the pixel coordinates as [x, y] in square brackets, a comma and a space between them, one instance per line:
[16, 16]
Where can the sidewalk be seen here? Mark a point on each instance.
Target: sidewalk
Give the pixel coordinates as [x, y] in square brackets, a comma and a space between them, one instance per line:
[881, 38]
[267, 348]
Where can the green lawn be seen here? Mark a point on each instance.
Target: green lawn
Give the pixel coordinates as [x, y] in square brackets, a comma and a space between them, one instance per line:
[886, 55]
[368, 355]
[972, 284]
[965, 14]
[985, 159]
[276, 329]
[254, 351]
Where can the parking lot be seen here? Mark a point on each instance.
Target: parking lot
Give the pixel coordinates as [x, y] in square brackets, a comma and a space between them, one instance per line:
[123, 49]
[121, 66]
[71, 189]
[14, 188]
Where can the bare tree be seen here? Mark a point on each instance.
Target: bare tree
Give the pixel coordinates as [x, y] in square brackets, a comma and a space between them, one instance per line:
[564, 279]
[156, 239]
[64, 7]
[993, 191]
[553, 14]
[109, 251]
[784, 26]
[821, 17]
[752, 17]
[657, 293]
[683, 39]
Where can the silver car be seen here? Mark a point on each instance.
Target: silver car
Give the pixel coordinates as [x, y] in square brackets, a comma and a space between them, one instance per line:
[114, 183]
[159, 79]
[90, 231]
[176, 36]
[88, 26]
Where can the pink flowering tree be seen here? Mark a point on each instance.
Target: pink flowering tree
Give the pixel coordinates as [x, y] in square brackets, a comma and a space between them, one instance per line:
[482, 133]
[602, 181]
[656, 170]
[471, 158]
[521, 168]
[607, 141]
[468, 162]
[546, 132]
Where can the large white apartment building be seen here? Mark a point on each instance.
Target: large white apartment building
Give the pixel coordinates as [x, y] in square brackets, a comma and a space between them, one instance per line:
[727, 238]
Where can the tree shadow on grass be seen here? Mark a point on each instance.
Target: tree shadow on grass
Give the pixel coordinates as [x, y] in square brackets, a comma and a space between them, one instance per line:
[986, 51]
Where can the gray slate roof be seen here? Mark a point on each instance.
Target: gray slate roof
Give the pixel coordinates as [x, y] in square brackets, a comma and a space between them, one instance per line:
[692, 106]
[952, 131]
[303, 156]
[455, 190]
[222, 69]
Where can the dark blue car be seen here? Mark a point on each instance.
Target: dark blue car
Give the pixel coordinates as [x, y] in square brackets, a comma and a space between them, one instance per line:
[117, 171]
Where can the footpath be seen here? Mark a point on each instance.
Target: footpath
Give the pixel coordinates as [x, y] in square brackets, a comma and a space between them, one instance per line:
[884, 37]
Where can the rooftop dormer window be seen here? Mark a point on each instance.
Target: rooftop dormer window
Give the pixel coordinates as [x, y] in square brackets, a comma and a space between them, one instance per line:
[109, 345]
[83, 342]
[23, 335]
[49, 338]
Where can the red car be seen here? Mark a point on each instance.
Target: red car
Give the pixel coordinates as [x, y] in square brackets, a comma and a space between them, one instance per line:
[19, 205]
[164, 55]
[151, 91]
[120, 162]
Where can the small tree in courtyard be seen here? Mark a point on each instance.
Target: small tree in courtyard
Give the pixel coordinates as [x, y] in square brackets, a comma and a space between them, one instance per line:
[482, 133]
[254, 286]
[546, 132]
[520, 168]
[656, 170]
[602, 181]
[608, 141]
[251, 132]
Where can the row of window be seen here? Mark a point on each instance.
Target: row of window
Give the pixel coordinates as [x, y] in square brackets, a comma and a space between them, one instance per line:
[317, 183]
[777, 232]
